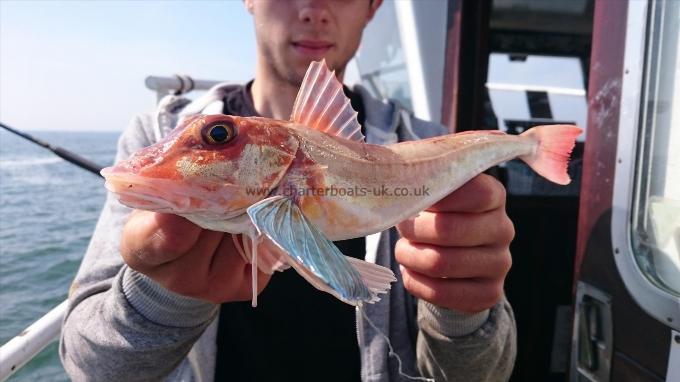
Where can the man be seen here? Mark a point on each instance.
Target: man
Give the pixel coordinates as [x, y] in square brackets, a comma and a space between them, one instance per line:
[173, 309]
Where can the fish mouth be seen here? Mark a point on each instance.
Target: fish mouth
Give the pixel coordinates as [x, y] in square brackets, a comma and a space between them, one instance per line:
[145, 193]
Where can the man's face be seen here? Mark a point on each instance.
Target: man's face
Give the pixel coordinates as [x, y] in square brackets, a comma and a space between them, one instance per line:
[292, 33]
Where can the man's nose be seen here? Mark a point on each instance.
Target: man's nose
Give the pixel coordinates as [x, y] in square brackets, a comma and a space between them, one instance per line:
[314, 14]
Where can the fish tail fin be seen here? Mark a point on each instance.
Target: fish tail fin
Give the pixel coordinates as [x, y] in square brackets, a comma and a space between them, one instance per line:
[555, 143]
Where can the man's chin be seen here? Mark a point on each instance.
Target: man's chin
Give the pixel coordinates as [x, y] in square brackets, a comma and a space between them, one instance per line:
[301, 65]
[294, 67]
[296, 70]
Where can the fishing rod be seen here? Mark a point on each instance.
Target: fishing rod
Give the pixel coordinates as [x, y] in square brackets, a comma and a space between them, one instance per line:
[60, 152]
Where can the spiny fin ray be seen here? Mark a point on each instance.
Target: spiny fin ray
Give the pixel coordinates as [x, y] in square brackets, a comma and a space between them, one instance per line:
[322, 105]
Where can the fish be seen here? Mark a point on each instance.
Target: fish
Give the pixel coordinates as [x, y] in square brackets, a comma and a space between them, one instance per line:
[293, 187]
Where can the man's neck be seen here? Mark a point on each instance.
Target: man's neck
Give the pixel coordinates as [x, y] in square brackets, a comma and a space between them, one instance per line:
[273, 97]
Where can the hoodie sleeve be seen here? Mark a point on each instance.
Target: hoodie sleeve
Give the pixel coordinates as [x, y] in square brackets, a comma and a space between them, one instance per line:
[121, 325]
[454, 346]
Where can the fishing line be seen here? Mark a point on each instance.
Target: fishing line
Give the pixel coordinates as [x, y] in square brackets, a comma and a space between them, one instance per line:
[392, 353]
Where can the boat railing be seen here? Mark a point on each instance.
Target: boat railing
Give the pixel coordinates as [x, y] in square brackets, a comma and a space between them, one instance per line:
[177, 84]
[26, 345]
[22, 348]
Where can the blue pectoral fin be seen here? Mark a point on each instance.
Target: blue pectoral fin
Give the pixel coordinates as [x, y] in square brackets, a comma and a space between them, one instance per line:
[314, 256]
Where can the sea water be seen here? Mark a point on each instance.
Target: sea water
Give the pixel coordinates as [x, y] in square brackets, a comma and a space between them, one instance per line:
[48, 210]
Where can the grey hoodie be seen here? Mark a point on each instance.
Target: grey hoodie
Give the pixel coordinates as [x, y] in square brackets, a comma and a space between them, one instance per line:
[122, 326]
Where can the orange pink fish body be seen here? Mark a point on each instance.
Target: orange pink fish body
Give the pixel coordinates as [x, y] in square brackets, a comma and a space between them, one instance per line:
[297, 185]
[356, 189]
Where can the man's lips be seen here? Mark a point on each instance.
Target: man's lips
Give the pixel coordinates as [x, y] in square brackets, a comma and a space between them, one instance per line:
[312, 46]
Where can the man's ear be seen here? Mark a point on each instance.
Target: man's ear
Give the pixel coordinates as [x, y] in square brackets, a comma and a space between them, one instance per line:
[249, 5]
[375, 4]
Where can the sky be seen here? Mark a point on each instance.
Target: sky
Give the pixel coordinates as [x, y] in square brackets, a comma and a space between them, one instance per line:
[81, 65]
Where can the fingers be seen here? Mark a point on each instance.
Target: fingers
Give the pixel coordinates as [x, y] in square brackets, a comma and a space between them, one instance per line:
[230, 275]
[459, 229]
[454, 262]
[466, 295]
[482, 193]
[456, 253]
[150, 239]
[186, 274]
[187, 259]
[212, 270]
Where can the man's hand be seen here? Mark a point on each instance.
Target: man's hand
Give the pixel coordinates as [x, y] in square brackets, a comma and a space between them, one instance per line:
[456, 253]
[187, 259]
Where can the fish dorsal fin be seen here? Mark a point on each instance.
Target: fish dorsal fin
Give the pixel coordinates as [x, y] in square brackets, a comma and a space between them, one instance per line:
[322, 105]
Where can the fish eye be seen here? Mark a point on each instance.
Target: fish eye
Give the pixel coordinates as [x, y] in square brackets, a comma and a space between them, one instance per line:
[219, 133]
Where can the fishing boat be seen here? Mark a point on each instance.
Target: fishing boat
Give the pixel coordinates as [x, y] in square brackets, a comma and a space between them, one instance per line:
[595, 283]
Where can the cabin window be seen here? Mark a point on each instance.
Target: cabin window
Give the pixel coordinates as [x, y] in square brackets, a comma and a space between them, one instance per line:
[656, 201]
